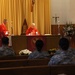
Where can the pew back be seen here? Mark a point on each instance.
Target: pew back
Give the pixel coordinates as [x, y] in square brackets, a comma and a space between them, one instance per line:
[31, 70]
[62, 69]
[39, 70]
[23, 62]
[37, 62]
[14, 57]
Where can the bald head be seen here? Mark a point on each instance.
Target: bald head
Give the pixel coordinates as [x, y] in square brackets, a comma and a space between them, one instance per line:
[33, 25]
[5, 21]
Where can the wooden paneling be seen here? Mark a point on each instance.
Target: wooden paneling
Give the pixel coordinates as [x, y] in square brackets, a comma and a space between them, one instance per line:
[19, 43]
[23, 42]
[52, 41]
[54, 29]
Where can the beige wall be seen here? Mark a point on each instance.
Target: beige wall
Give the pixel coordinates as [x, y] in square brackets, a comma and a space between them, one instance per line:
[65, 9]
[72, 10]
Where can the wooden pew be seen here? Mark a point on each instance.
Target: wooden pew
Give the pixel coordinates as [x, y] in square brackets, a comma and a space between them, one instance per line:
[31, 70]
[62, 69]
[23, 62]
[39, 70]
[13, 63]
[14, 57]
[34, 62]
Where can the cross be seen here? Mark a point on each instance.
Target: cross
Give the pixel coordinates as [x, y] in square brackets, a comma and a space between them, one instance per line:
[56, 19]
[32, 5]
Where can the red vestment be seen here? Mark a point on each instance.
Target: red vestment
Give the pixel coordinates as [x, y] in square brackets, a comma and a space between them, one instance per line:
[32, 31]
[3, 31]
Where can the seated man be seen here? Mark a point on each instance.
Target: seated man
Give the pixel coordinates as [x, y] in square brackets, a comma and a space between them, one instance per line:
[38, 53]
[32, 30]
[5, 50]
[64, 55]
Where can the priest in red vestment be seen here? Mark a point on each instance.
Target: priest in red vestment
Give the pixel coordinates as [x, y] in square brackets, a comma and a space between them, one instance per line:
[3, 30]
[32, 30]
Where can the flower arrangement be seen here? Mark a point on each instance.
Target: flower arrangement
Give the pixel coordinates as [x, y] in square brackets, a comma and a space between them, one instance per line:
[25, 52]
[52, 51]
[68, 30]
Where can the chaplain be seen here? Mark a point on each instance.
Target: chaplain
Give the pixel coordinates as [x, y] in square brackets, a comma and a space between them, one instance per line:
[3, 28]
[32, 30]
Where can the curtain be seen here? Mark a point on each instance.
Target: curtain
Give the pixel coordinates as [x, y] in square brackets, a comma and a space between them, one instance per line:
[15, 11]
[41, 16]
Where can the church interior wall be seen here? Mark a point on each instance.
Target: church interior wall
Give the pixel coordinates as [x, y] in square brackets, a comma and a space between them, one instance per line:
[72, 11]
[64, 9]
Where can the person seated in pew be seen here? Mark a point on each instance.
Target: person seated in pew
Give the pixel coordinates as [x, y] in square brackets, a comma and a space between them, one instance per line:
[64, 55]
[38, 53]
[5, 50]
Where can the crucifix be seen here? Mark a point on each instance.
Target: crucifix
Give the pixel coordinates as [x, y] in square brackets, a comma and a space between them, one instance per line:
[57, 22]
[32, 9]
[56, 19]
[32, 5]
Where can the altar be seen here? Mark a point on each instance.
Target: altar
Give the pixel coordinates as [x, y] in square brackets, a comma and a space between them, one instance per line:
[28, 42]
